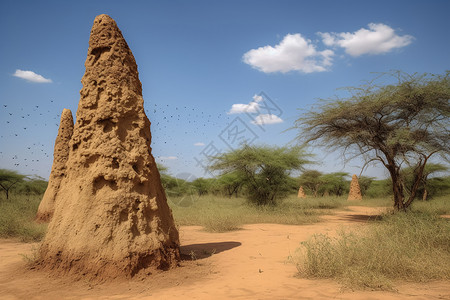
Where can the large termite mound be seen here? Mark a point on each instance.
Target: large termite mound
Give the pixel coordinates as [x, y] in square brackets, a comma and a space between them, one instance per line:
[60, 156]
[355, 191]
[111, 215]
[301, 193]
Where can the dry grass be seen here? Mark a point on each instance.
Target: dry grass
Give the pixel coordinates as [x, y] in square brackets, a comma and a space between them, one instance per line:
[413, 246]
[219, 214]
[17, 218]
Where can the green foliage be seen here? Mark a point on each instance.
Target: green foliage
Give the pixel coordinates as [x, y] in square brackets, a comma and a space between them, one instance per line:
[201, 185]
[438, 186]
[265, 170]
[364, 184]
[33, 186]
[292, 185]
[162, 169]
[395, 124]
[430, 184]
[317, 184]
[334, 184]
[8, 179]
[176, 187]
[311, 181]
[413, 247]
[380, 189]
[17, 218]
[231, 183]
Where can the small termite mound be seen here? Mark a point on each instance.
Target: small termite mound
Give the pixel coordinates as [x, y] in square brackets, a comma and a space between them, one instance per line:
[301, 193]
[60, 156]
[355, 191]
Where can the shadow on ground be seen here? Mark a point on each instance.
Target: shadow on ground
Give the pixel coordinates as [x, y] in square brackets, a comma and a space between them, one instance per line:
[361, 218]
[200, 251]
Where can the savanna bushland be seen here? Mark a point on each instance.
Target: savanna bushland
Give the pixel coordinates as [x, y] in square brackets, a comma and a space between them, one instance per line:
[405, 123]
[387, 250]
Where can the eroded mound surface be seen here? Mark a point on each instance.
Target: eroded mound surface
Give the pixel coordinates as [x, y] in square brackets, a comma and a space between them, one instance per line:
[355, 191]
[301, 193]
[111, 215]
[60, 156]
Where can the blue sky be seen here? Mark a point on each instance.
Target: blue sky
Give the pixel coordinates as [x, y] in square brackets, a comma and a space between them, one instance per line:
[213, 72]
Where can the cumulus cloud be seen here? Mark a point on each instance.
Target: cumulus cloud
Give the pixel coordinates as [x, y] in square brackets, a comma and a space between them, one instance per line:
[266, 119]
[199, 144]
[293, 53]
[252, 107]
[167, 157]
[378, 39]
[31, 76]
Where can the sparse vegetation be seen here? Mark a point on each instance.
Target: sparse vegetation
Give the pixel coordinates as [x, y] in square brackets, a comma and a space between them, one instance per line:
[218, 214]
[413, 247]
[439, 206]
[401, 124]
[17, 218]
[265, 171]
[8, 179]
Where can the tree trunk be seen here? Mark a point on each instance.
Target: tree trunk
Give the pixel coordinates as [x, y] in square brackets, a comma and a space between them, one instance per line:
[417, 180]
[236, 190]
[397, 186]
[316, 190]
[425, 195]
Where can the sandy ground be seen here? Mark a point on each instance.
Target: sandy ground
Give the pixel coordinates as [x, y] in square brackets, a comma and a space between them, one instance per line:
[252, 263]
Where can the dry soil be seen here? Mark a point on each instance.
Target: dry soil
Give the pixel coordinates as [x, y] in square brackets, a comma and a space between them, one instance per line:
[252, 263]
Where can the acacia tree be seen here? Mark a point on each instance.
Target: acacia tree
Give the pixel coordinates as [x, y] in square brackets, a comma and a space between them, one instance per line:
[429, 170]
[8, 179]
[201, 185]
[264, 170]
[334, 183]
[310, 179]
[401, 124]
[231, 183]
[364, 184]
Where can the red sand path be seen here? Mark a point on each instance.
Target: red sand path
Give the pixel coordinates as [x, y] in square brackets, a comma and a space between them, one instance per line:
[247, 264]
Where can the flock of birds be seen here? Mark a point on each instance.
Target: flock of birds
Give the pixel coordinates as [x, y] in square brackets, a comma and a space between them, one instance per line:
[29, 132]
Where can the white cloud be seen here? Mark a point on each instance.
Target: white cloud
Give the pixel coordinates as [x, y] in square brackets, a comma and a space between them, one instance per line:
[199, 144]
[252, 107]
[378, 39]
[167, 157]
[293, 53]
[31, 76]
[266, 119]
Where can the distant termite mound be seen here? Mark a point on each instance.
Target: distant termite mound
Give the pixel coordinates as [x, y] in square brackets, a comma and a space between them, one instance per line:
[355, 191]
[301, 193]
[60, 156]
[111, 216]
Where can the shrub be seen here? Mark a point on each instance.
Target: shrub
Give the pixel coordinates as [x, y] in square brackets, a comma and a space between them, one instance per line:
[413, 246]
